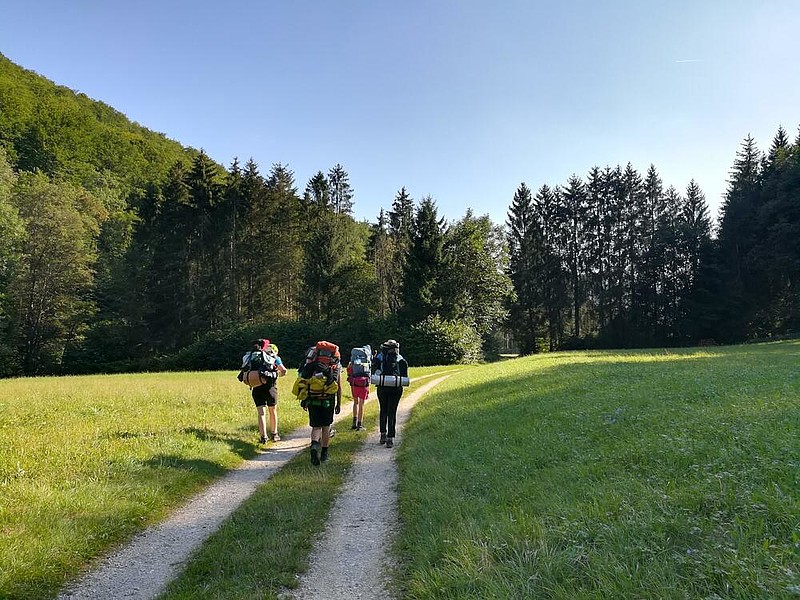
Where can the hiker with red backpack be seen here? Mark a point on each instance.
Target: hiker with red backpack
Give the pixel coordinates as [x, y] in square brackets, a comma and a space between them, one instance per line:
[358, 378]
[318, 387]
[261, 367]
[390, 375]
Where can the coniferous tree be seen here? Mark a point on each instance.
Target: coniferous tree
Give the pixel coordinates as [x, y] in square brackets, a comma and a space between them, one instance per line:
[381, 255]
[287, 231]
[776, 253]
[553, 279]
[212, 223]
[738, 234]
[525, 249]
[341, 193]
[572, 224]
[256, 243]
[168, 288]
[401, 231]
[699, 307]
[318, 192]
[422, 276]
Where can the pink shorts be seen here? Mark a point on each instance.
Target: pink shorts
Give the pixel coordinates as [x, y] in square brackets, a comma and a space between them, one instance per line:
[359, 392]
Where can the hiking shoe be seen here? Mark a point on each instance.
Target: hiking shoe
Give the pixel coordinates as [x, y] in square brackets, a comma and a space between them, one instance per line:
[360, 427]
[389, 442]
[315, 453]
[324, 456]
[262, 440]
[383, 439]
[275, 437]
[354, 425]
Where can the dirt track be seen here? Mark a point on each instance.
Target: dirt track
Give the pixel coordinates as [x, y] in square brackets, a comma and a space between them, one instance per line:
[142, 568]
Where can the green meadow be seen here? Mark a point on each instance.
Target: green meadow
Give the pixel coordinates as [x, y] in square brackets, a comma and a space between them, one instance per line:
[639, 474]
[651, 474]
[86, 462]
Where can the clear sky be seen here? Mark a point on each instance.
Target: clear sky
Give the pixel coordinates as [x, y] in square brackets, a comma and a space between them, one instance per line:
[461, 100]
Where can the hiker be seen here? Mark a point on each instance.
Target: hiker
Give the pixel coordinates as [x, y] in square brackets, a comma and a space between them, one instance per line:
[319, 390]
[358, 378]
[261, 367]
[390, 374]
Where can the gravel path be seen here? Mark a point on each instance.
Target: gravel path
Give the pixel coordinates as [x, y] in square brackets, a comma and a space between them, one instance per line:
[142, 568]
[350, 562]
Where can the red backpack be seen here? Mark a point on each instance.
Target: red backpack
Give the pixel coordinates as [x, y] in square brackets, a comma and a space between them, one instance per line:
[321, 357]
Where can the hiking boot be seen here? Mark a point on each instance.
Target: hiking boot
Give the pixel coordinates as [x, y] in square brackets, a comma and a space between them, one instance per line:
[383, 439]
[315, 453]
[354, 425]
[389, 442]
[324, 456]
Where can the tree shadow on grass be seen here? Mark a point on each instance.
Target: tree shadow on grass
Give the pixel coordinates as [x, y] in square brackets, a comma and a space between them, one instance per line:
[195, 465]
[241, 448]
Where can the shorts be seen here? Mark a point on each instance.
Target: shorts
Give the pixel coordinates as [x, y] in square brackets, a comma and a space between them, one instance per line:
[320, 416]
[264, 395]
[359, 392]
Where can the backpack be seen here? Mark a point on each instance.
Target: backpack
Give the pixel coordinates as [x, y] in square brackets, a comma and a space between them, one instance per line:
[260, 369]
[360, 359]
[389, 362]
[317, 378]
[392, 370]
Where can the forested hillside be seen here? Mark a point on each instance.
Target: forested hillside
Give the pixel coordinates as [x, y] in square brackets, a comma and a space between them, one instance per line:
[121, 249]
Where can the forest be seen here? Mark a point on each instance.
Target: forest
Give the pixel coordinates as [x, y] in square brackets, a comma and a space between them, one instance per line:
[122, 250]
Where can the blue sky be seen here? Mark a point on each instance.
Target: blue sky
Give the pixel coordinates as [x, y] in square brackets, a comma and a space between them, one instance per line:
[459, 100]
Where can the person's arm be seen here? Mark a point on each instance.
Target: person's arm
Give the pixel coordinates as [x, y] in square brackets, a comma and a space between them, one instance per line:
[402, 367]
[338, 407]
[279, 365]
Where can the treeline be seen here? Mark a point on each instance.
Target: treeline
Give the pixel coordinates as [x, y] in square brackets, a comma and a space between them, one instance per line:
[618, 260]
[122, 250]
[212, 250]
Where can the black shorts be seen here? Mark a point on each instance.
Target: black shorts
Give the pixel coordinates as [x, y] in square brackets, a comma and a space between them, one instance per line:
[262, 395]
[320, 416]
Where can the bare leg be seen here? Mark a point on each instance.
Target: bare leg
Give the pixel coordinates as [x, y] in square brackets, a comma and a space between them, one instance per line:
[358, 410]
[273, 419]
[326, 435]
[262, 421]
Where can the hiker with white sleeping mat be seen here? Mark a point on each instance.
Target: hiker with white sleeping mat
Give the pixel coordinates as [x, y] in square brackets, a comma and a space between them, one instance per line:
[390, 375]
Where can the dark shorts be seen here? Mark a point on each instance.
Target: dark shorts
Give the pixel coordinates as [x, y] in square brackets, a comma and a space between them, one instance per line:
[262, 396]
[320, 416]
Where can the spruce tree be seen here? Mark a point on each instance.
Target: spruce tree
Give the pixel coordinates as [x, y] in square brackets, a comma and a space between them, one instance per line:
[524, 239]
[341, 192]
[318, 192]
[401, 231]
[422, 275]
[287, 233]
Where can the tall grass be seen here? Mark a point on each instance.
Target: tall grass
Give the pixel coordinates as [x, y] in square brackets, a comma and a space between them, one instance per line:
[85, 462]
[607, 475]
